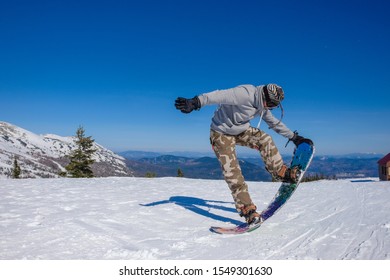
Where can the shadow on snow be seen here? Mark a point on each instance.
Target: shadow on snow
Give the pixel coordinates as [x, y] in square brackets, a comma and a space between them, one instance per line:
[194, 204]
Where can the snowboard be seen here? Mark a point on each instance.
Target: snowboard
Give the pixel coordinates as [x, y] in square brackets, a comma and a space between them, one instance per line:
[303, 154]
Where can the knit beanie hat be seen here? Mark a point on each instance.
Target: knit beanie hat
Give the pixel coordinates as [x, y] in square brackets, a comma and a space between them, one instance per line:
[273, 95]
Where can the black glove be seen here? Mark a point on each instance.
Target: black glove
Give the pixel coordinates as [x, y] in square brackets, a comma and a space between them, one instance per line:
[299, 139]
[187, 105]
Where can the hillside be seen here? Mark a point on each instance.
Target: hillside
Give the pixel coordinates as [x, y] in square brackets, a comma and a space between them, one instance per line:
[45, 155]
[42, 156]
[198, 168]
[207, 167]
[169, 219]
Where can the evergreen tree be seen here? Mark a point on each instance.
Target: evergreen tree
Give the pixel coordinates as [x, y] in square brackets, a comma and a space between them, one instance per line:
[81, 158]
[150, 174]
[16, 171]
[180, 173]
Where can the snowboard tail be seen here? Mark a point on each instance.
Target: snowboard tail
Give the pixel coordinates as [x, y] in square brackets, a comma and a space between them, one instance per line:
[242, 228]
[302, 157]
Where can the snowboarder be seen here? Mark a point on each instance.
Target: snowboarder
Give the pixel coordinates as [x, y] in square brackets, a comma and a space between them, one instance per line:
[230, 126]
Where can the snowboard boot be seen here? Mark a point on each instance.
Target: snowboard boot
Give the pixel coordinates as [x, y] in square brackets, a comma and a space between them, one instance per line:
[289, 175]
[250, 214]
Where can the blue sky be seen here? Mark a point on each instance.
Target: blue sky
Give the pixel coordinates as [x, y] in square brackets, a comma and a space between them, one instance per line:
[116, 67]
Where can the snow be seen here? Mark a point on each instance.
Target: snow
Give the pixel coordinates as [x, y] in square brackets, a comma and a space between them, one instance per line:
[169, 219]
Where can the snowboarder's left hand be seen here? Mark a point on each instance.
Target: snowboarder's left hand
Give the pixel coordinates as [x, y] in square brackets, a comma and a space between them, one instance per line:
[187, 105]
[297, 139]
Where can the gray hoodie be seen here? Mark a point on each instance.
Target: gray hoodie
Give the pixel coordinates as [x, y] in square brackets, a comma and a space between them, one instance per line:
[239, 105]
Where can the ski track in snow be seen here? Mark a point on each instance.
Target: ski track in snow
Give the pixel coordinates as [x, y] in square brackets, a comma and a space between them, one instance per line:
[169, 218]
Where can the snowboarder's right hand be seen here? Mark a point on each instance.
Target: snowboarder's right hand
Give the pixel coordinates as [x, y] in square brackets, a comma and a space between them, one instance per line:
[187, 105]
[297, 139]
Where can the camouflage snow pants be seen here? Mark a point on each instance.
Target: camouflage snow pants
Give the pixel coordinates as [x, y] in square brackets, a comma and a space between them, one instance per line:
[224, 147]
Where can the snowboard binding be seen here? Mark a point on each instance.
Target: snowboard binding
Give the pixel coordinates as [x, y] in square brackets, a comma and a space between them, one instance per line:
[290, 175]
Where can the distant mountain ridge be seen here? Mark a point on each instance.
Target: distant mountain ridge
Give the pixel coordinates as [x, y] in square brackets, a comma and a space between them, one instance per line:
[42, 156]
[202, 167]
[356, 165]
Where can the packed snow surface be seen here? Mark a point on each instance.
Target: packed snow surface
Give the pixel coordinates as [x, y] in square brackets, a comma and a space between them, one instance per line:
[169, 218]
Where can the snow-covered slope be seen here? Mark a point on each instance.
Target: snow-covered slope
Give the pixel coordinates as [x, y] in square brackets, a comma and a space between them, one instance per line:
[169, 218]
[45, 155]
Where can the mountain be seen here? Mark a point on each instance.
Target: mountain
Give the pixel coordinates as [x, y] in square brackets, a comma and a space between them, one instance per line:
[45, 155]
[203, 167]
[143, 154]
[138, 154]
[346, 166]
[341, 166]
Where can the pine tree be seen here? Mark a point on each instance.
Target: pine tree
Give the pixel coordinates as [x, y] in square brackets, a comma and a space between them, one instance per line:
[180, 173]
[81, 158]
[150, 174]
[16, 171]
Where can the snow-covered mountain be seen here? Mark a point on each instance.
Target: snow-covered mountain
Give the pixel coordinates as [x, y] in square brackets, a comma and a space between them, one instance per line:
[45, 155]
[169, 219]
